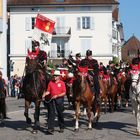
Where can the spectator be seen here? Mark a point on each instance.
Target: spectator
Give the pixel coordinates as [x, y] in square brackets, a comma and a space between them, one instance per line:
[56, 90]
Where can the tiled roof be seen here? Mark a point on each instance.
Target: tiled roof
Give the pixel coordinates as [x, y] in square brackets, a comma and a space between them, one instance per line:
[115, 14]
[131, 46]
[57, 2]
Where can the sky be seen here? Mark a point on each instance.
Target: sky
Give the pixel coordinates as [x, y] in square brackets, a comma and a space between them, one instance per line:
[129, 12]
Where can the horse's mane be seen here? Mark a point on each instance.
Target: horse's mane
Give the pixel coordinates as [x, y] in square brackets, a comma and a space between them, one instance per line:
[32, 65]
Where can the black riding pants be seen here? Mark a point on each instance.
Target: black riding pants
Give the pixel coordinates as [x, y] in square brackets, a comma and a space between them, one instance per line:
[57, 104]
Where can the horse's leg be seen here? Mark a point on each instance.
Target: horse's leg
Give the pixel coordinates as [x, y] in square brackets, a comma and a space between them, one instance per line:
[89, 117]
[27, 105]
[112, 103]
[85, 112]
[105, 103]
[36, 116]
[138, 119]
[77, 115]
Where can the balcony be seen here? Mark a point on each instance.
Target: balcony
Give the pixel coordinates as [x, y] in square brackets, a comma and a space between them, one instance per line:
[62, 32]
[59, 53]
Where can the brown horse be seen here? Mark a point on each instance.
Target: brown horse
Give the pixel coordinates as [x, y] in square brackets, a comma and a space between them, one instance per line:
[112, 93]
[121, 78]
[103, 82]
[82, 94]
[34, 84]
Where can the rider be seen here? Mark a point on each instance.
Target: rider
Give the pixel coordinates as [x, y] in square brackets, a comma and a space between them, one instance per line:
[135, 62]
[37, 52]
[56, 90]
[102, 68]
[93, 70]
[78, 59]
[2, 91]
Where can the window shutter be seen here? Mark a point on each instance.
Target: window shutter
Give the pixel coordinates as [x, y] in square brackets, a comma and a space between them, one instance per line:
[28, 24]
[28, 45]
[60, 24]
[78, 23]
[53, 52]
[85, 45]
[92, 23]
[67, 49]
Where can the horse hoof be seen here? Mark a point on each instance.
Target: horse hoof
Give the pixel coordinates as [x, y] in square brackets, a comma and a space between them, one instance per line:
[76, 129]
[34, 131]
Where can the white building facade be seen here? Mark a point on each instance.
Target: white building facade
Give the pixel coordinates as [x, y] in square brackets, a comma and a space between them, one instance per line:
[3, 37]
[77, 29]
[117, 34]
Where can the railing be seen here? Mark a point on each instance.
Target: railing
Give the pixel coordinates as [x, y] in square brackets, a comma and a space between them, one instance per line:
[59, 54]
[114, 34]
[62, 31]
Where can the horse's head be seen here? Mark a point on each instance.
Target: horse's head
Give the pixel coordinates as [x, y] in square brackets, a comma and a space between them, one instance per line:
[135, 77]
[32, 64]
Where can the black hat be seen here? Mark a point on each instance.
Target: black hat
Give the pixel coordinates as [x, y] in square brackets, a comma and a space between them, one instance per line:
[88, 52]
[35, 43]
[78, 55]
[135, 61]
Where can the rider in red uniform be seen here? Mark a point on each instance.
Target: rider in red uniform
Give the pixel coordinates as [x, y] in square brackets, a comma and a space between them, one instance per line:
[37, 52]
[93, 71]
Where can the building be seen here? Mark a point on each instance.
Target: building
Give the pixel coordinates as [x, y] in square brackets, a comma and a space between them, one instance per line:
[117, 34]
[3, 37]
[80, 25]
[130, 49]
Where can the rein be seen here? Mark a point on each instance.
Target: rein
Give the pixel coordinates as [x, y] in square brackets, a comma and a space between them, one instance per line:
[35, 84]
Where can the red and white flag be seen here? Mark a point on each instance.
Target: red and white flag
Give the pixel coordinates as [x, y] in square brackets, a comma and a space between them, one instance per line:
[43, 30]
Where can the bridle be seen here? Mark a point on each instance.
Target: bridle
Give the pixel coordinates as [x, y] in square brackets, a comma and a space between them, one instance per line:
[135, 79]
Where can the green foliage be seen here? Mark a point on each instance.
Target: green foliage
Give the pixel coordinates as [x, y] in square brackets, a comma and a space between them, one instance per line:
[115, 60]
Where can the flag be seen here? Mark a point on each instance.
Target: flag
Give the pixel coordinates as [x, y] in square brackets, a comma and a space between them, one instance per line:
[45, 24]
[43, 32]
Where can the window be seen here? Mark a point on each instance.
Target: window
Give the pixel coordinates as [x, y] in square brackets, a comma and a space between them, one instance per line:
[60, 24]
[33, 22]
[85, 23]
[29, 23]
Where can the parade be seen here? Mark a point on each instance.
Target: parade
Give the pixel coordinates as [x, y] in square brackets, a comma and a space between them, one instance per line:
[57, 91]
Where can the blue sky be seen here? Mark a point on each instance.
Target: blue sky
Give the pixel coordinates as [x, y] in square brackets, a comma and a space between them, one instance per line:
[130, 17]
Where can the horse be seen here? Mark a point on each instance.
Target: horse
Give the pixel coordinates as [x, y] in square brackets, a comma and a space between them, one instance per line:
[134, 94]
[103, 82]
[121, 79]
[2, 104]
[82, 94]
[112, 92]
[34, 84]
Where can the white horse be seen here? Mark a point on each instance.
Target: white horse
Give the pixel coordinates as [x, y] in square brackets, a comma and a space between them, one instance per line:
[135, 96]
